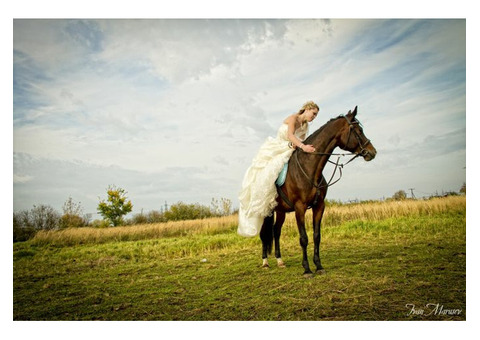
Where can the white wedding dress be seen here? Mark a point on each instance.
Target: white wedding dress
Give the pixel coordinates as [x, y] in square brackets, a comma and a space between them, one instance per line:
[258, 194]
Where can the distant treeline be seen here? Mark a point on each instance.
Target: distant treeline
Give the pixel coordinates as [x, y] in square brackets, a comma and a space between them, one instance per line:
[27, 223]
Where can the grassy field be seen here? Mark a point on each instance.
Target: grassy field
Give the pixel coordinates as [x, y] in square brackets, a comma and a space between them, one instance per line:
[384, 261]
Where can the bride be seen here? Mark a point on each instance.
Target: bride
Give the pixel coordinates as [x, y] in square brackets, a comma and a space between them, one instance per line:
[258, 194]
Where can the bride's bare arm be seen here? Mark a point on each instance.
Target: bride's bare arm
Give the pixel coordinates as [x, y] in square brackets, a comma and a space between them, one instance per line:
[292, 123]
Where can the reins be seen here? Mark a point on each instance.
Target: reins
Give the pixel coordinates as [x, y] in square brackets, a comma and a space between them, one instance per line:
[337, 164]
[330, 182]
[355, 155]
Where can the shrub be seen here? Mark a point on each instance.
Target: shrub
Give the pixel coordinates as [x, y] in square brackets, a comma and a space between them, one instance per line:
[400, 195]
[26, 223]
[151, 217]
[72, 215]
[100, 224]
[181, 211]
[22, 229]
[222, 207]
[44, 217]
[156, 217]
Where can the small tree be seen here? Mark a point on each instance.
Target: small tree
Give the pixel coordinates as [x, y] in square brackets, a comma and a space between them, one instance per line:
[44, 217]
[222, 207]
[463, 189]
[23, 229]
[26, 223]
[115, 206]
[400, 195]
[226, 206]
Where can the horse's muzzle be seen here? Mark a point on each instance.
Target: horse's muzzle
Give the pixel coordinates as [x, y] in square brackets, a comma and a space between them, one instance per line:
[369, 153]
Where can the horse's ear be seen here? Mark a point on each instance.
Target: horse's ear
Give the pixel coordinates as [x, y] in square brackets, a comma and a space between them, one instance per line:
[352, 114]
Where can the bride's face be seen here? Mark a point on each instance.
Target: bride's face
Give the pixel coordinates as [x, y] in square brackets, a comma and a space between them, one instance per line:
[310, 114]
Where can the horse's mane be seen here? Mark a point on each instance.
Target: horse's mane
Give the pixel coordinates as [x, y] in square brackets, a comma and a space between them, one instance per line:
[313, 136]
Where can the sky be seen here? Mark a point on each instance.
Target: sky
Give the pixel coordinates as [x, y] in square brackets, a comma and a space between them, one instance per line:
[175, 109]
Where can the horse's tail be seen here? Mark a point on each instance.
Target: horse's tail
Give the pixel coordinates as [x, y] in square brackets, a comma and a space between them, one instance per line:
[266, 234]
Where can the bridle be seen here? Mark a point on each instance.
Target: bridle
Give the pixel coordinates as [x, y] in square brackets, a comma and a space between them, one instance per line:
[363, 152]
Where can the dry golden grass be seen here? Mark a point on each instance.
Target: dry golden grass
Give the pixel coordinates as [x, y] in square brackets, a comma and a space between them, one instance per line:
[334, 215]
[136, 232]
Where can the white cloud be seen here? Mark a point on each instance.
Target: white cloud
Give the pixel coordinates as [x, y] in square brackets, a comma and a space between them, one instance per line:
[21, 178]
[157, 98]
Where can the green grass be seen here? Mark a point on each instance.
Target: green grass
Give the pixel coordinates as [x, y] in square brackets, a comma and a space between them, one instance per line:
[374, 269]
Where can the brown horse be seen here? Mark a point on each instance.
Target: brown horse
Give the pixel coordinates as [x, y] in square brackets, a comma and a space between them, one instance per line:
[306, 187]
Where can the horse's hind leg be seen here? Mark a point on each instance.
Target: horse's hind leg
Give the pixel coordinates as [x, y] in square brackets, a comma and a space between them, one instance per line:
[277, 230]
[266, 235]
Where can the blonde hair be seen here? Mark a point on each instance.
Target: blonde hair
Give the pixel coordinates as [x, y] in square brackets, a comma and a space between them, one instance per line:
[308, 106]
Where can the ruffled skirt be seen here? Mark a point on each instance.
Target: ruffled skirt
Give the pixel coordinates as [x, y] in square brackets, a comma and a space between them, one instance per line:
[258, 194]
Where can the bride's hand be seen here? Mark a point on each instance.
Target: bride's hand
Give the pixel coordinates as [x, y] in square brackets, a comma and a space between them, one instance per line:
[308, 148]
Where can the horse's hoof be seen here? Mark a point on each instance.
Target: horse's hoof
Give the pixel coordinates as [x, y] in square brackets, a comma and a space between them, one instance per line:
[321, 272]
[281, 264]
[265, 264]
[308, 275]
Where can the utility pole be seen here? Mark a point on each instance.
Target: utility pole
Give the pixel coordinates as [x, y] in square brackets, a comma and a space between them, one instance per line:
[166, 206]
[411, 190]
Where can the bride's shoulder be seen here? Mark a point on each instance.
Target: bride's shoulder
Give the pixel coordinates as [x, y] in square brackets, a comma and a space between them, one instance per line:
[290, 119]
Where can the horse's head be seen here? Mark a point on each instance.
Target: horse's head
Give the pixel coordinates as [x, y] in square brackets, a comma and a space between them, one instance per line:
[354, 140]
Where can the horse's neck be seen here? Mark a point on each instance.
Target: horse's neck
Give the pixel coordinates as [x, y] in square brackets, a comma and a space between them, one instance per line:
[325, 142]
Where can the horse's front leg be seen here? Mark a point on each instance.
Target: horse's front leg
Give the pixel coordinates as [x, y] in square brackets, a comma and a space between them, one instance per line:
[317, 236]
[300, 216]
